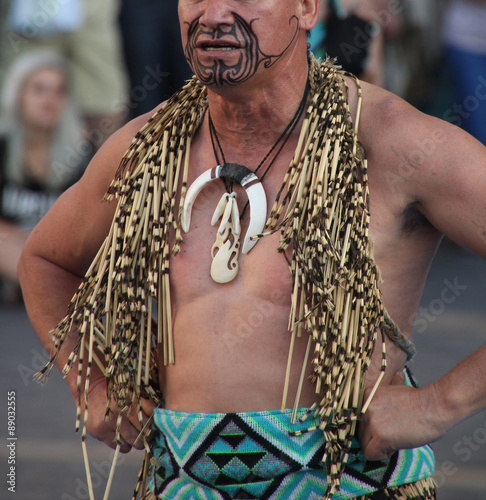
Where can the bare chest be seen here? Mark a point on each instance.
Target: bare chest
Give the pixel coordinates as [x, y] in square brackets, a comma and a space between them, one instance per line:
[262, 272]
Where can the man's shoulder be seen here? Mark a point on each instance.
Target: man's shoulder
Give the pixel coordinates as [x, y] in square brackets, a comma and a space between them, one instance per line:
[382, 110]
[390, 125]
[374, 107]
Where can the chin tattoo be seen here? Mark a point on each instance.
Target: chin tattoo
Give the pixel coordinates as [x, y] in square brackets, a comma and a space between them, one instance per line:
[239, 34]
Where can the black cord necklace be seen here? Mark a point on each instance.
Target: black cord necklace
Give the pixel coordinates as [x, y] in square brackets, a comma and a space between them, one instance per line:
[282, 140]
[226, 248]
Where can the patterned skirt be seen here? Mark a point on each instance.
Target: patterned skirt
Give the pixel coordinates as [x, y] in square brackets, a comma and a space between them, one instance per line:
[221, 456]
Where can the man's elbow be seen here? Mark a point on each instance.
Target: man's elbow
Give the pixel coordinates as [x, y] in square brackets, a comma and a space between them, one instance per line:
[22, 267]
[26, 264]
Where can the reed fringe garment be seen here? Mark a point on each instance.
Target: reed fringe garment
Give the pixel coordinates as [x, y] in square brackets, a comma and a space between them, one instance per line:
[321, 212]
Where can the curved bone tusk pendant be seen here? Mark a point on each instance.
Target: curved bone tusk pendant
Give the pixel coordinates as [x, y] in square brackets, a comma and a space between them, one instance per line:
[225, 254]
[228, 212]
[254, 190]
[220, 209]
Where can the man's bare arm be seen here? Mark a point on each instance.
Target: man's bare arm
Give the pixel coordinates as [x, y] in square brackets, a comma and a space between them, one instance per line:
[447, 186]
[57, 255]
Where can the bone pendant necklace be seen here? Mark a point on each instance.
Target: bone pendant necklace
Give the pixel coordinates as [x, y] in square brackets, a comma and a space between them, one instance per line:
[226, 249]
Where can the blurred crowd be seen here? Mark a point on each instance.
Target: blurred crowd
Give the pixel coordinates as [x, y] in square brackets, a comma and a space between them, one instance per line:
[73, 71]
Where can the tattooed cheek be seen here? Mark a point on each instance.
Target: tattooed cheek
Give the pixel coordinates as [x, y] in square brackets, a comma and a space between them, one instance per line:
[242, 36]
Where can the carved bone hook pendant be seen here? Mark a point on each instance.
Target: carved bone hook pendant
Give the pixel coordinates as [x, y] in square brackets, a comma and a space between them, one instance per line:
[226, 248]
[258, 215]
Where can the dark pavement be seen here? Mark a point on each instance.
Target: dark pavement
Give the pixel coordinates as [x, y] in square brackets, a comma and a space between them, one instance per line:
[48, 458]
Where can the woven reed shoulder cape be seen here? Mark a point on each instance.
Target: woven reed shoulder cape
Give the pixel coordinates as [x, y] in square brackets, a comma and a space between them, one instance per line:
[321, 212]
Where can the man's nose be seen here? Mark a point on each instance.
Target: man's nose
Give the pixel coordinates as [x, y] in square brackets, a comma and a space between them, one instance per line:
[216, 13]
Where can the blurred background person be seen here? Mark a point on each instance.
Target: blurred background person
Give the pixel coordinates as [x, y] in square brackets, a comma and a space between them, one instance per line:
[353, 32]
[413, 63]
[393, 44]
[464, 39]
[153, 52]
[87, 34]
[41, 152]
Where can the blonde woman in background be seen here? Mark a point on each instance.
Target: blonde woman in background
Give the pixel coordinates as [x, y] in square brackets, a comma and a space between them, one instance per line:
[87, 34]
[41, 152]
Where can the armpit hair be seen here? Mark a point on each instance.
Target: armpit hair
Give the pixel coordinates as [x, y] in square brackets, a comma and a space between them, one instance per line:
[413, 220]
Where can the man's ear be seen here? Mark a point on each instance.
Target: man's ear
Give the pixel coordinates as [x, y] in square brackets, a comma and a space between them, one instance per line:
[309, 10]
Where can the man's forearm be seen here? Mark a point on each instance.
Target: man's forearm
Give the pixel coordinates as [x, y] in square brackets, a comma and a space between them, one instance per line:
[47, 290]
[402, 417]
[462, 391]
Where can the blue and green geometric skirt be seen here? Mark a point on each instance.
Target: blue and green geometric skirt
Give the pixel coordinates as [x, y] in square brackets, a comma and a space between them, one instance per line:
[222, 456]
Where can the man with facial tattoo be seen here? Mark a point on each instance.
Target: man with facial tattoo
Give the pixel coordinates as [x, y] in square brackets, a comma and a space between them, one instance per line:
[243, 263]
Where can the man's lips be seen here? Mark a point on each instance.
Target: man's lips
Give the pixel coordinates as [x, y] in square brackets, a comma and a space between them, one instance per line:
[210, 48]
[216, 45]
